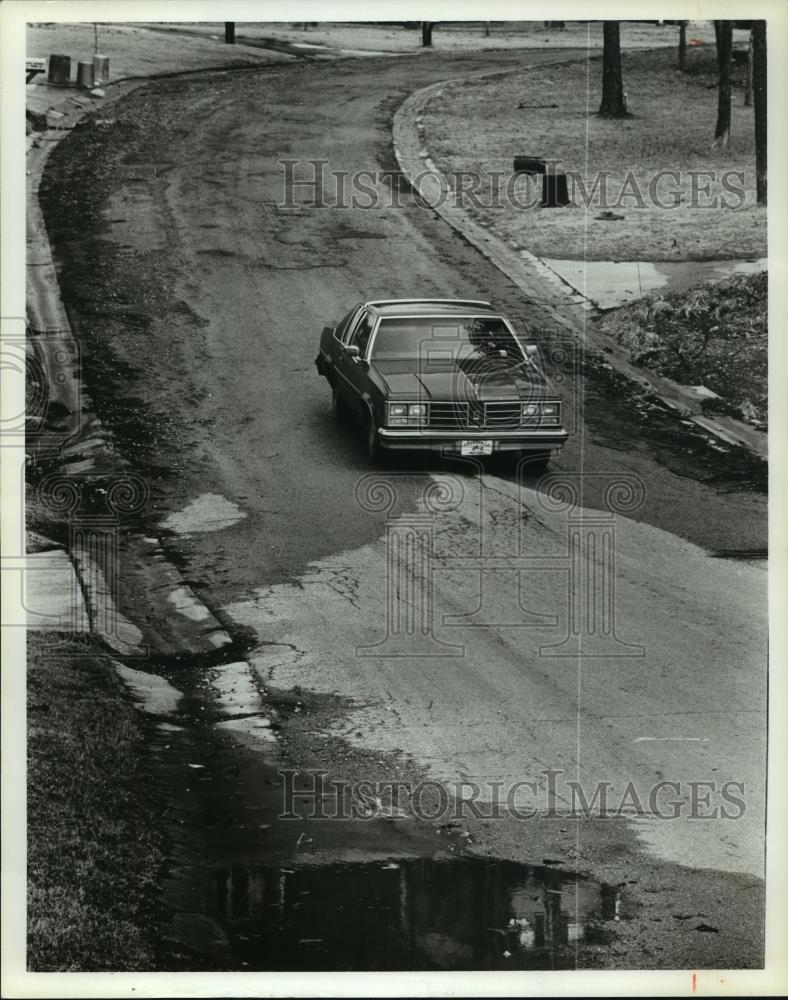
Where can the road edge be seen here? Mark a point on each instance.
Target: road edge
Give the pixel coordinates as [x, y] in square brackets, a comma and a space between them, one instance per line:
[87, 452]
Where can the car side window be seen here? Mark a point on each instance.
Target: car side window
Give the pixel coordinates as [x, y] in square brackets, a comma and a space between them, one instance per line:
[349, 336]
[361, 335]
[344, 329]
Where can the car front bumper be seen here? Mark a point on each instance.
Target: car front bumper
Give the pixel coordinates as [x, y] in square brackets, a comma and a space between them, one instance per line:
[425, 439]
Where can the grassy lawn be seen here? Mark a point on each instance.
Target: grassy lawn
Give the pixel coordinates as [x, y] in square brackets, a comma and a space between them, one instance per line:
[448, 36]
[715, 336]
[551, 113]
[93, 853]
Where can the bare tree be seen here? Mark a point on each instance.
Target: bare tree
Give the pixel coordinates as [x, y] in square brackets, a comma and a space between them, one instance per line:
[759, 93]
[682, 45]
[613, 104]
[723, 33]
[748, 78]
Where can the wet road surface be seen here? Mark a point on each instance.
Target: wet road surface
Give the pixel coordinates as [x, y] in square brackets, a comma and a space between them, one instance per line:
[200, 325]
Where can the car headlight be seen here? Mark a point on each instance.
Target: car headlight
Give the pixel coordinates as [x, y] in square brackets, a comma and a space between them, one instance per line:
[406, 414]
[541, 413]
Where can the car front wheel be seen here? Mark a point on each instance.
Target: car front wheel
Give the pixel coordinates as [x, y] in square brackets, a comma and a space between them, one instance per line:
[535, 462]
[374, 447]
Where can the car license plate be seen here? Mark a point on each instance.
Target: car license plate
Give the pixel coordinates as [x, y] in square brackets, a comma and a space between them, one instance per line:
[476, 447]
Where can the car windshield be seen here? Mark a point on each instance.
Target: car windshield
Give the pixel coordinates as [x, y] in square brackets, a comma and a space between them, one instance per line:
[430, 339]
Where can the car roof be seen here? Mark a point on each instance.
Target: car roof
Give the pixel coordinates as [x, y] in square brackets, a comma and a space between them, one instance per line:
[429, 307]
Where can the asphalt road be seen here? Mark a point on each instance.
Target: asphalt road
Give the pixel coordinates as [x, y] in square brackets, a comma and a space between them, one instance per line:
[205, 368]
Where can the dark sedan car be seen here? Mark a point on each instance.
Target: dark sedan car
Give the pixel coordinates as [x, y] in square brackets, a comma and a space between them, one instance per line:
[440, 374]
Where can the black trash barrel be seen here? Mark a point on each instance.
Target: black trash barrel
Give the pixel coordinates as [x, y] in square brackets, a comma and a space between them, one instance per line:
[555, 191]
[529, 165]
[59, 69]
[85, 74]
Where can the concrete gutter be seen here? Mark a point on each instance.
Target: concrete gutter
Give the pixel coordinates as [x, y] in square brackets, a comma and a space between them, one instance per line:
[565, 306]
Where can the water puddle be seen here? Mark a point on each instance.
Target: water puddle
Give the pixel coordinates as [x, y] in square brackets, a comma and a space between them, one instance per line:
[257, 881]
[209, 512]
[415, 914]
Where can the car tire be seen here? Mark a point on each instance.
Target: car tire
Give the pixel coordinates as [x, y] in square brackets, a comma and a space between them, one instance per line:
[374, 449]
[337, 406]
[536, 462]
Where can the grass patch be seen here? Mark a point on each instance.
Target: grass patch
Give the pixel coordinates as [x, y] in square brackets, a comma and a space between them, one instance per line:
[93, 849]
[707, 213]
[715, 335]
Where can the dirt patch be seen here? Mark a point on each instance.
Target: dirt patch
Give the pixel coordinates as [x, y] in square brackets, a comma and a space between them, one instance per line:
[714, 336]
[668, 194]
[118, 295]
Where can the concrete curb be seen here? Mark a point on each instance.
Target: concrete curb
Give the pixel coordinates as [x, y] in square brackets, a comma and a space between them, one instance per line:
[170, 616]
[238, 706]
[541, 284]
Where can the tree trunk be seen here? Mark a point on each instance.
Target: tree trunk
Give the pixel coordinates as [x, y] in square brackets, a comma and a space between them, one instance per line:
[229, 32]
[682, 46]
[613, 104]
[748, 80]
[723, 32]
[759, 95]
[426, 34]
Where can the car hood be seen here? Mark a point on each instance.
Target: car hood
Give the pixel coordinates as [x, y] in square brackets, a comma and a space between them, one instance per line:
[496, 380]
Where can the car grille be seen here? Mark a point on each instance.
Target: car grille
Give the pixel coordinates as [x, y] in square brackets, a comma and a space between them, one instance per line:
[500, 415]
[449, 416]
[478, 416]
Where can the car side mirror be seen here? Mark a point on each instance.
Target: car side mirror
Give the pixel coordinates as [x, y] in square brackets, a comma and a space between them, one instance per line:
[353, 352]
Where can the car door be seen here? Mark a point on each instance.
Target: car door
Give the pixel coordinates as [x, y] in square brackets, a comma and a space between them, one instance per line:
[353, 369]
